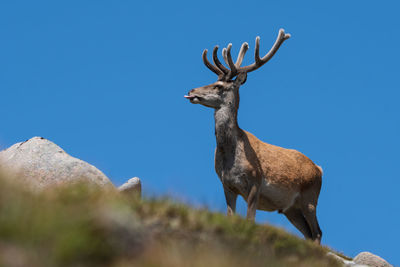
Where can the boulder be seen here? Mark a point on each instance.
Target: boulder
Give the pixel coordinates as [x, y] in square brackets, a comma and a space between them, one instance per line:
[39, 163]
[369, 259]
[343, 261]
[132, 186]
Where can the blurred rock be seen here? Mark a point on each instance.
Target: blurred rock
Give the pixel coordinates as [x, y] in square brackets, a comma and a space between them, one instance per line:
[40, 163]
[369, 259]
[132, 186]
[16, 256]
[346, 263]
[123, 229]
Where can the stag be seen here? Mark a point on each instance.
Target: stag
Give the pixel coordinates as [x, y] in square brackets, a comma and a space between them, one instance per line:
[268, 177]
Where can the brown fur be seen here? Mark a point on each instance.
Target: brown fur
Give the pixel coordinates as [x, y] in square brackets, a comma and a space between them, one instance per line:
[285, 167]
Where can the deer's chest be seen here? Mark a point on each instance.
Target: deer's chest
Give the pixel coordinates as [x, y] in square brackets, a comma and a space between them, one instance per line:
[233, 170]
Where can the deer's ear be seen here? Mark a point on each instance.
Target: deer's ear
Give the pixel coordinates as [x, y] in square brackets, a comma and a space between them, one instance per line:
[241, 78]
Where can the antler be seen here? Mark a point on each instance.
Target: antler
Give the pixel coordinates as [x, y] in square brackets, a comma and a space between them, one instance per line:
[234, 68]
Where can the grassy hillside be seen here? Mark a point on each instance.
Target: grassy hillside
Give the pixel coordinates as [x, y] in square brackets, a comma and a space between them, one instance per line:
[84, 226]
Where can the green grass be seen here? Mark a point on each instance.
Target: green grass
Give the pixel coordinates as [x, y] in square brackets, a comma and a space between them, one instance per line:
[79, 225]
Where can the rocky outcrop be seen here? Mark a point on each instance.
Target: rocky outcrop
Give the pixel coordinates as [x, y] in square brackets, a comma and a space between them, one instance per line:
[364, 259]
[40, 164]
[132, 186]
[344, 262]
[369, 259]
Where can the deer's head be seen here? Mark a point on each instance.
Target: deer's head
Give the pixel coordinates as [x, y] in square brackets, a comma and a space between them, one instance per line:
[226, 89]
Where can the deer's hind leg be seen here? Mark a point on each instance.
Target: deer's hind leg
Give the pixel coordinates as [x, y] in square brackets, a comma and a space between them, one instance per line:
[295, 216]
[309, 210]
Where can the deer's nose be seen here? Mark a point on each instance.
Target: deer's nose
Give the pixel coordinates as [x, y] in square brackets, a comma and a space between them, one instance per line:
[189, 96]
[191, 91]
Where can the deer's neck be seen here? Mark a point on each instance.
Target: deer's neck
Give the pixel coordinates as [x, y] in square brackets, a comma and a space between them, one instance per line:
[226, 126]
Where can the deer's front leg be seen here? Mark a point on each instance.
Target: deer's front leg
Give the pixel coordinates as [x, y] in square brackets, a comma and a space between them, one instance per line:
[252, 200]
[230, 201]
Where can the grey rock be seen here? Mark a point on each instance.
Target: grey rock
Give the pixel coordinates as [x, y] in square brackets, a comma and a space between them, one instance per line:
[132, 186]
[39, 163]
[125, 232]
[344, 262]
[370, 259]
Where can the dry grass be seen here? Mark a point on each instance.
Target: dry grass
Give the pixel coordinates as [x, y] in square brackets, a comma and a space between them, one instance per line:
[80, 225]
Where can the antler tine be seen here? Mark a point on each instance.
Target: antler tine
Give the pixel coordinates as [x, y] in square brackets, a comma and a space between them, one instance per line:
[217, 62]
[209, 65]
[242, 52]
[279, 41]
[282, 36]
[257, 51]
[224, 56]
[232, 66]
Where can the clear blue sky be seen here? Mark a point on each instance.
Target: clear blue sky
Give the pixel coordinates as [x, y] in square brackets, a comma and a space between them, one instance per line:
[105, 80]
